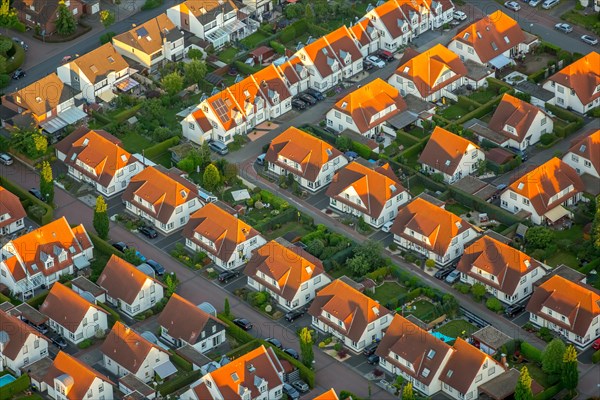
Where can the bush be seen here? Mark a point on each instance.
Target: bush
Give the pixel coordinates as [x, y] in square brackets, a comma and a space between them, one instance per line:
[84, 344]
[179, 381]
[413, 294]
[180, 361]
[494, 304]
[278, 47]
[596, 357]
[538, 76]
[545, 334]
[379, 274]
[160, 148]
[150, 4]
[107, 37]
[549, 393]
[17, 386]
[462, 288]
[531, 353]
[547, 138]
[37, 301]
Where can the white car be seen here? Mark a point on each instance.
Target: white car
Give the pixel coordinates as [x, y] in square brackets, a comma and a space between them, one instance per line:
[592, 41]
[512, 5]
[459, 15]
[535, 3]
[387, 226]
[378, 62]
[565, 28]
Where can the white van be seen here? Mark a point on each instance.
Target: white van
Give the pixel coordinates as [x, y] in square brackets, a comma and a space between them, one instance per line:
[548, 4]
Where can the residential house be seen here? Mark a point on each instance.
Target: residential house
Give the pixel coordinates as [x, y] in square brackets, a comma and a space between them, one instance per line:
[372, 194]
[72, 379]
[577, 86]
[393, 28]
[450, 155]
[162, 196]
[72, 316]
[571, 309]
[20, 344]
[367, 109]
[152, 43]
[411, 352]
[96, 157]
[216, 21]
[311, 161]
[584, 157]
[97, 73]
[129, 289]
[274, 90]
[506, 272]
[346, 50]
[543, 193]
[48, 102]
[227, 240]
[184, 323]
[257, 375]
[295, 75]
[12, 213]
[43, 255]
[349, 315]
[431, 75]
[290, 275]
[492, 40]
[431, 231]
[519, 123]
[124, 351]
[366, 36]
[42, 15]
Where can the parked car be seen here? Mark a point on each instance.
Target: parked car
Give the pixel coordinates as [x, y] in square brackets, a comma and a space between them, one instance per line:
[218, 147]
[290, 392]
[140, 256]
[315, 93]
[370, 349]
[5, 159]
[387, 226]
[18, 74]
[42, 328]
[385, 55]
[453, 277]
[307, 98]
[548, 4]
[159, 269]
[120, 246]
[459, 15]
[243, 323]
[512, 5]
[148, 231]
[226, 276]
[535, 3]
[443, 273]
[592, 41]
[596, 344]
[294, 315]
[37, 194]
[563, 27]
[373, 359]
[298, 104]
[351, 155]
[367, 66]
[301, 386]
[378, 62]
[274, 342]
[59, 341]
[291, 352]
[514, 309]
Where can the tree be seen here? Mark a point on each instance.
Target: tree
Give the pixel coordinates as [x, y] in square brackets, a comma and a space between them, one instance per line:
[539, 237]
[230, 172]
[478, 291]
[227, 308]
[101, 221]
[171, 283]
[343, 143]
[47, 183]
[204, 155]
[130, 255]
[309, 13]
[315, 247]
[523, 389]
[211, 179]
[195, 71]
[359, 265]
[172, 83]
[595, 233]
[293, 11]
[570, 374]
[65, 21]
[320, 9]
[107, 18]
[552, 357]
[430, 263]
[306, 347]
[408, 392]
[494, 304]
[195, 54]
[372, 251]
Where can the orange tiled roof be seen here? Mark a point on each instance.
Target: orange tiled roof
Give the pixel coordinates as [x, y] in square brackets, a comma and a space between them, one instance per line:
[492, 35]
[425, 69]
[270, 82]
[328, 395]
[362, 31]
[76, 375]
[226, 109]
[364, 103]
[342, 43]
[10, 205]
[98, 63]
[309, 152]
[546, 181]
[18, 332]
[582, 76]
[122, 280]
[516, 113]
[148, 37]
[374, 186]
[246, 95]
[589, 148]
[445, 150]
[437, 224]
[393, 18]
[291, 70]
[200, 117]
[43, 95]
[321, 56]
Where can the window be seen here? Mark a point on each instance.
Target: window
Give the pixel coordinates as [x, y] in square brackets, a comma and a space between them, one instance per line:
[513, 196]
[318, 279]
[192, 126]
[304, 286]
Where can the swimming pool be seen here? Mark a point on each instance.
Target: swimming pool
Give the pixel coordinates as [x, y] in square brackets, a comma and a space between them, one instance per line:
[443, 337]
[6, 379]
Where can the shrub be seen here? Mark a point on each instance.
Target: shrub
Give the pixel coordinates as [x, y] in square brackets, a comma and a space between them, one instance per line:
[494, 304]
[393, 247]
[547, 138]
[17, 386]
[545, 334]
[337, 347]
[180, 361]
[462, 288]
[278, 47]
[160, 148]
[531, 353]
[179, 381]
[85, 344]
[549, 393]
[36, 301]
[413, 294]
[596, 357]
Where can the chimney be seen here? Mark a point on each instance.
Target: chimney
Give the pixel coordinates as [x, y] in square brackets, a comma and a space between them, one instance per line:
[503, 360]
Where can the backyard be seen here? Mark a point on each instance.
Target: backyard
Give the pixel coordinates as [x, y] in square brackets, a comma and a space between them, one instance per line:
[251, 42]
[422, 309]
[483, 96]
[453, 112]
[457, 209]
[387, 291]
[567, 240]
[227, 54]
[456, 328]
[133, 142]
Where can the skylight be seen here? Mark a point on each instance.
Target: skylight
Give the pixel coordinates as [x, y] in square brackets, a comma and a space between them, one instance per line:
[425, 372]
[111, 60]
[447, 163]
[449, 373]
[86, 141]
[521, 185]
[329, 152]
[123, 158]
[582, 148]
[494, 46]
[506, 39]
[183, 194]
[38, 99]
[406, 69]
[431, 354]
[235, 377]
[458, 224]
[93, 68]
[344, 104]
[479, 35]
[467, 34]
[393, 188]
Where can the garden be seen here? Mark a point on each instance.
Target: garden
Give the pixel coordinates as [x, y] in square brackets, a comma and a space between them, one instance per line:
[590, 21]
[457, 328]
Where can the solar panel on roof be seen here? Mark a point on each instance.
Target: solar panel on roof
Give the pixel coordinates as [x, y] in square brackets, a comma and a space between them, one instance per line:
[221, 110]
[141, 32]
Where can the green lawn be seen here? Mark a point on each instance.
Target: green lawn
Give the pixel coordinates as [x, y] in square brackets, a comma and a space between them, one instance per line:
[417, 189]
[457, 209]
[567, 259]
[133, 142]
[299, 229]
[575, 233]
[418, 132]
[483, 96]
[252, 41]
[589, 21]
[387, 292]
[457, 327]
[164, 159]
[424, 310]
[453, 112]
[227, 55]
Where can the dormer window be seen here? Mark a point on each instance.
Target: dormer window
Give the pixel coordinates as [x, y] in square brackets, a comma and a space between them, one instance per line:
[111, 60]
[38, 99]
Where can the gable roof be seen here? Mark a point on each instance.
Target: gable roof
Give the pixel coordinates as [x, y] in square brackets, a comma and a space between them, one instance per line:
[148, 37]
[349, 305]
[362, 31]
[11, 205]
[126, 347]
[164, 188]
[310, 152]
[185, 320]
[579, 302]
[321, 55]
[246, 95]
[122, 280]
[270, 82]
[17, 332]
[545, 181]
[43, 95]
[374, 186]
[290, 267]
[200, 117]
[437, 224]
[99, 150]
[425, 69]
[66, 307]
[98, 63]
[424, 351]
[364, 103]
[445, 150]
[207, 10]
[291, 70]
[76, 375]
[492, 35]
[328, 395]
[225, 107]
[507, 264]
[582, 76]
[342, 43]
[516, 113]
[393, 18]
[589, 148]
[221, 228]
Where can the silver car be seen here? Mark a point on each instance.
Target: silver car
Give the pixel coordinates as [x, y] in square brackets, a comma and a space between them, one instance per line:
[5, 159]
[565, 28]
[512, 5]
[592, 41]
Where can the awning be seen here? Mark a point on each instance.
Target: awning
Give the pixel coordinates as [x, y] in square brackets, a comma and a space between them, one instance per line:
[81, 262]
[165, 370]
[403, 119]
[127, 84]
[557, 213]
[72, 115]
[500, 61]
[53, 125]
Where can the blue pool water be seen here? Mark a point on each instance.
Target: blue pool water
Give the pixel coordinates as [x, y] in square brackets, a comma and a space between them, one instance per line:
[443, 337]
[6, 379]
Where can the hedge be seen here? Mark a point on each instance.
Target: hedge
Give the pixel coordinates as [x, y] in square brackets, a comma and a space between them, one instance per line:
[101, 117]
[160, 148]
[244, 349]
[180, 380]
[103, 246]
[363, 150]
[24, 195]
[497, 84]
[549, 393]
[407, 136]
[344, 394]
[180, 361]
[596, 357]
[480, 205]
[414, 150]
[235, 331]
[36, 301]
[339, 258]
[587, 268]
[531, 353]
[278, 47]
[115, 315]
[378, 274]
[306, 373]
[562, 113]
[538, 76]
[467, 103]
[481, 111]
[4, 298]
[289, 215]
[293, 31]
[17, 386]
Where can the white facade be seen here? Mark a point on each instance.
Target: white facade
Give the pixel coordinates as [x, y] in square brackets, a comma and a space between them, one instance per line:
[94, 322]
[12, 227]
[340, 121]
[170, 51]
[487, 371]
[150, 294]
[567, 98]
[407, 86]
[238, 257]
[34, 348]
[99, 389]
[77, 79]
[581, 342]
[514, 202]
[267, 391]
[323, 178]
[179, 217]
[467, 165]
[145, 373]
[207, 340]
[306, 292]
[541, 124]
[372, 332]
[581, 164]
[315, 79]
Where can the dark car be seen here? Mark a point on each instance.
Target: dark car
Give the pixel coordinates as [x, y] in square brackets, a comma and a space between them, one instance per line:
[290, 392]
[315, 93]
[42, 328]
[443, 273]
[307, 98]
[373, 359]
[59, 341]
[291, 353]
[298, 104]
[243, 323]
[225, 276]
[18, 74]
[385, 55]
[120, 246]
[148, 231]
[513, 310]
[274, 342]
[301, 386]
[37, 194]
[159, 269]
[370, 349]
[294, 315]
[367, 66]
